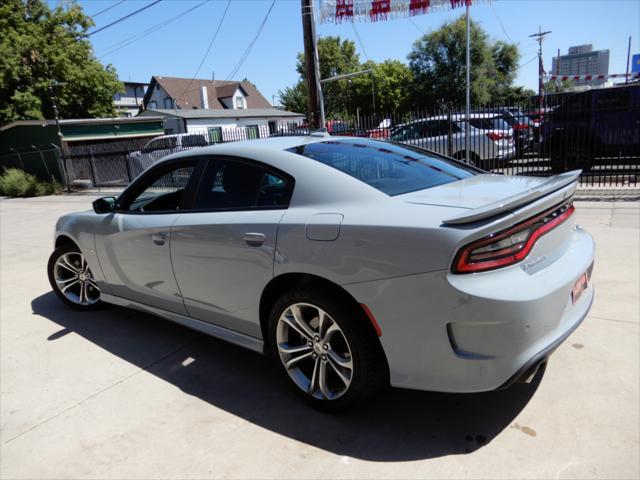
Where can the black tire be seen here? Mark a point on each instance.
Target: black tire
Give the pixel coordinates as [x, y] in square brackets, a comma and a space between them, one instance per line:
[57, 253]
[370, 370]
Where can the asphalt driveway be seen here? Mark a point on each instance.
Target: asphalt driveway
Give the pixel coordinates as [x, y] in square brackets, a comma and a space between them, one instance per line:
[120, 394]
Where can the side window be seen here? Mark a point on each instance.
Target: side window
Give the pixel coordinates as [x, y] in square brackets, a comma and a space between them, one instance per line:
[231, 185]
[162, 191]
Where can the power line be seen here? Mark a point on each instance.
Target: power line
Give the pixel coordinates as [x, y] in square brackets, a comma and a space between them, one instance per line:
[107, 9]
[145, 33]
[500, 22]
[526, 63]
[121, 19]
[206, 54]
[417, 27]
[364, 52]
[244, 56]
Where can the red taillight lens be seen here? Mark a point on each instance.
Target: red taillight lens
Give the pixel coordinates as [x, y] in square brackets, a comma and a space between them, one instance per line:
[510, 246]
[521, 126]
[495, 136]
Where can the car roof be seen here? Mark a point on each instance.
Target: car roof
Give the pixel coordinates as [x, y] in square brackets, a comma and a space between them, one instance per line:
[242, 147]
[313, 175]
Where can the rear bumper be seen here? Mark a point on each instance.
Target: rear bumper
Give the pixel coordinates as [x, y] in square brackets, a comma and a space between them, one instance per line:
[482, 332]
[535, 363]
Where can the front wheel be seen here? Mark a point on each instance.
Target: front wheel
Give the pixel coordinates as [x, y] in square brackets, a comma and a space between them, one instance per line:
[71, 279]
[326, 349]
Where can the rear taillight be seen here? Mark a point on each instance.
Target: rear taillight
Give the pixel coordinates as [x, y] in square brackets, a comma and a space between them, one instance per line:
[509, 246]
[495, 136]
[521, 126]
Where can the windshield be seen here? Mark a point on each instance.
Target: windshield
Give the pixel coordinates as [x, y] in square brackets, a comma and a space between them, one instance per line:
[390, 167]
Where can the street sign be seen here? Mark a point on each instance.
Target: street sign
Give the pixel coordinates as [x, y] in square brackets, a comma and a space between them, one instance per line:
[635, 63]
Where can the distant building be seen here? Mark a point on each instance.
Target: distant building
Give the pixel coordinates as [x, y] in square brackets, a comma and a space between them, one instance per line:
[223, 125]
[222, 110]
[189, 94]
[583, 60]
[128, 103]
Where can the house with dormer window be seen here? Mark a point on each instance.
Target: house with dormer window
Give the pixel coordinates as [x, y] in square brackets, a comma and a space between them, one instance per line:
[215, 106]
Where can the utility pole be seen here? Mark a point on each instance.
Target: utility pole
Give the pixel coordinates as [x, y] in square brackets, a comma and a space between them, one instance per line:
[626, 77]
[57, 118]
[315, 104]
[539, 37]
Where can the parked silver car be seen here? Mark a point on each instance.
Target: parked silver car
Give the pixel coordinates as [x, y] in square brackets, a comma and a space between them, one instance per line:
[490, 137]
[162, 146]
[353, 262]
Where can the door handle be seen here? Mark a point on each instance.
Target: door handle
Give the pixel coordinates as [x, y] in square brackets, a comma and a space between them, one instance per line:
[254, 239]
[159, 238]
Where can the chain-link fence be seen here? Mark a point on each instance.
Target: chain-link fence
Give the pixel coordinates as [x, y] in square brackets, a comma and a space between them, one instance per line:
[43, 161]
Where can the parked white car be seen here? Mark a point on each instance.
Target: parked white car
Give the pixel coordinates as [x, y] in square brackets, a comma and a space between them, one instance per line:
[491, 138]
[162, 146]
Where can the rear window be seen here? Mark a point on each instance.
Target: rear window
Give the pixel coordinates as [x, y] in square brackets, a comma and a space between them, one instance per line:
[392, 168]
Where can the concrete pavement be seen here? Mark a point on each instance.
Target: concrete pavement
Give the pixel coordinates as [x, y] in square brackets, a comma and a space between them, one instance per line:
[120, 394]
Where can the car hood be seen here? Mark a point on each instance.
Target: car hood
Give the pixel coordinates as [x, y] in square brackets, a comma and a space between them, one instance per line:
[473, 192]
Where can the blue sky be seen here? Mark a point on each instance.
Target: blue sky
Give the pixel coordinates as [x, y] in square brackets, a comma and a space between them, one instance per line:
[177, 49]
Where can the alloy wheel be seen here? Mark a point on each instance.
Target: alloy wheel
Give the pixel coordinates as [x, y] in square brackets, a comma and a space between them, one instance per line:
[74, 279]
[314, 351]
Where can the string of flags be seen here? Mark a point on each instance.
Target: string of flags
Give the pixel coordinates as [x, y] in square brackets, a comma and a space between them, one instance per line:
[337, 11]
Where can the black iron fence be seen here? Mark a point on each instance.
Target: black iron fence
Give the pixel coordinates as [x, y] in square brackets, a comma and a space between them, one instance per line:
[597, 131]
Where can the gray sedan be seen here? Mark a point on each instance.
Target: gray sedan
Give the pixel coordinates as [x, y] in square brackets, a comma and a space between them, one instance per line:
[354, 263]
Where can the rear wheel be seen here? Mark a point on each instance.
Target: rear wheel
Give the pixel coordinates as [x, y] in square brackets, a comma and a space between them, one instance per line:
[71, 279]
[325, 349]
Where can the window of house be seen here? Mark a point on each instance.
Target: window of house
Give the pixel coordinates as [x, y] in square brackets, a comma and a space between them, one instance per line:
[253, 132]
[153, 104]
[215, 134]
[168, 102]
[239, 101]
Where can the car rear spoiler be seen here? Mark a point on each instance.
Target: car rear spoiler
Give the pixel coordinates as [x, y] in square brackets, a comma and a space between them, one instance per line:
[554, 184]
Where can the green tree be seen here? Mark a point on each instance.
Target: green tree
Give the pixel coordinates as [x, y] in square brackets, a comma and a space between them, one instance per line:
[438, 64]
[294, 99]
[392, 81]
[342, 98]
[39, 45]
[558, 86]
[336, 57]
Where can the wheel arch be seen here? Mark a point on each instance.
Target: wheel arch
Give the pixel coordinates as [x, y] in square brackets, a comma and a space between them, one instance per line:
[63, 239]
[289, 281]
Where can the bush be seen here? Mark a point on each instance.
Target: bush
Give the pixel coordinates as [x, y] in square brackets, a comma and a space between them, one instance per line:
[18, 183]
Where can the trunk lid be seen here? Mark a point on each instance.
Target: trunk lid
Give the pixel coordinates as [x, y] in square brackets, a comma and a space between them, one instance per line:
[485, 196]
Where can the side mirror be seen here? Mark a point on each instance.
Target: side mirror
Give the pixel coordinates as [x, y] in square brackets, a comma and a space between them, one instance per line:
[105, 205]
